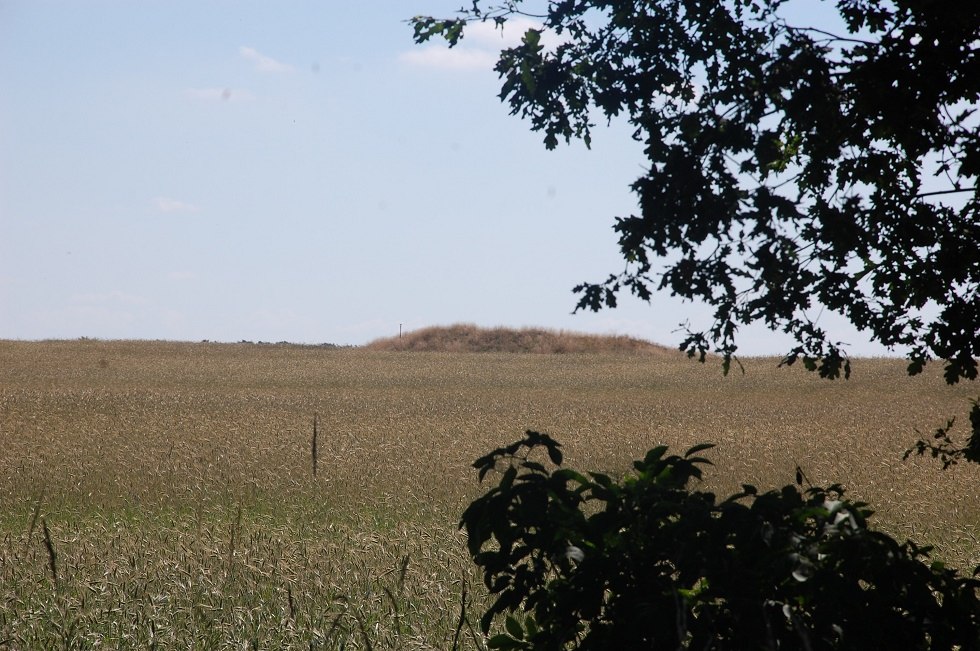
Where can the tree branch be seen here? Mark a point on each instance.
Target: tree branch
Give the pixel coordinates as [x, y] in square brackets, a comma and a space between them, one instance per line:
[937, 192]
[831, 35]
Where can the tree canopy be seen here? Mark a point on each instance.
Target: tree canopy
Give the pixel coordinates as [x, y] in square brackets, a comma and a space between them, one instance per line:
[791, 169]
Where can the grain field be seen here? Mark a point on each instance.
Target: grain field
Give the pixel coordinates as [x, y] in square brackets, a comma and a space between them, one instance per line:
[162, 495]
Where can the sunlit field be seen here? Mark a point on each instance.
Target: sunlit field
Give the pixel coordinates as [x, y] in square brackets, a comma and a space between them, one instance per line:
[162, 495]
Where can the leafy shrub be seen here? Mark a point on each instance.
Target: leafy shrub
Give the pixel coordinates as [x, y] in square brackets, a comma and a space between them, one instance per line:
[583, 561]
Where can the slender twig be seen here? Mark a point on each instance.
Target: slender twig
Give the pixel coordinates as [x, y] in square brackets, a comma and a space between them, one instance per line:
[401, 574]
[831, 35]
[52, 557]
[953, 191]
[364, 634]
[333, 627]
[394, 606]
[462, 618]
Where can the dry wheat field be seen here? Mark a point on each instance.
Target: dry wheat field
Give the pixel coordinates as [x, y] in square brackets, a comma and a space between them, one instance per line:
[162, 495]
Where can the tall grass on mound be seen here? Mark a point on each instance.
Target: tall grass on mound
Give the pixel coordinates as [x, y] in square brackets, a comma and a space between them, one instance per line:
[466, 338]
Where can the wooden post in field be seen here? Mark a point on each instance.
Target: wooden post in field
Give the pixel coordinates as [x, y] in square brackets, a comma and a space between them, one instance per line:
[314, 444]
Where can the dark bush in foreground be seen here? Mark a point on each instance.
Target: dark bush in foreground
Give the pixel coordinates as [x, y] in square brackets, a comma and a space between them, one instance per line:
[582, 561]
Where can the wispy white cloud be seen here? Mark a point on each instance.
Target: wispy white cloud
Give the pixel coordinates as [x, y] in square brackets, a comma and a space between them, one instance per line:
[489, 35]
[479, 48]
[168, 205]
[219, 94]
[262, 62]
[458, 58]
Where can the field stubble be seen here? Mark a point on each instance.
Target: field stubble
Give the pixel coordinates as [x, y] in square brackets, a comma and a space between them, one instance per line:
[176, 479]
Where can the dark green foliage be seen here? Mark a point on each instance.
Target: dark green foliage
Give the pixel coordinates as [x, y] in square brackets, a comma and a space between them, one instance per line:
[585, 561]
[790, 170]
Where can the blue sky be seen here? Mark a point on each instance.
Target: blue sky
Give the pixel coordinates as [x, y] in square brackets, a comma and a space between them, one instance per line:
[295, 171]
